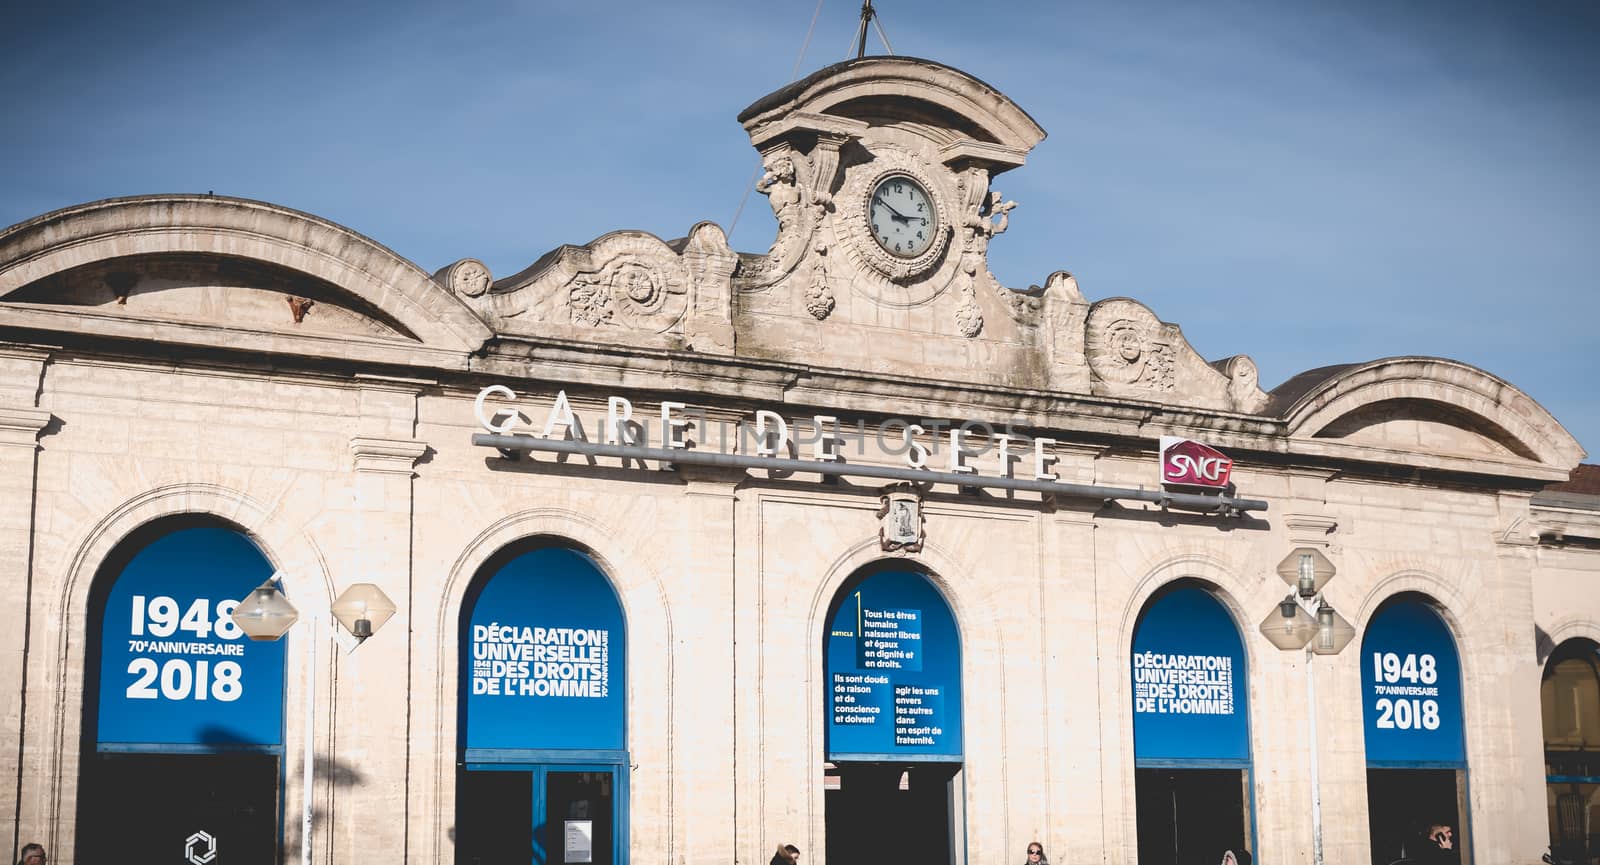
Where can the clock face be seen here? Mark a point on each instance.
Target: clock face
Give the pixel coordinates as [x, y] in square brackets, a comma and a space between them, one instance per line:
[904, 220]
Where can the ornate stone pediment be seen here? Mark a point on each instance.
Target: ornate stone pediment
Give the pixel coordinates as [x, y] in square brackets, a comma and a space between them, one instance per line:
[1133, 354]
[625, 285]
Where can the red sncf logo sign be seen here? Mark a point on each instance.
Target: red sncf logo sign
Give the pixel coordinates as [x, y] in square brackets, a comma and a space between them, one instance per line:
[1192, 464]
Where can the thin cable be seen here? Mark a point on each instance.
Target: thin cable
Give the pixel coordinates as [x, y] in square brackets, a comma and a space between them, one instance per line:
[877, 23]
[793, 74]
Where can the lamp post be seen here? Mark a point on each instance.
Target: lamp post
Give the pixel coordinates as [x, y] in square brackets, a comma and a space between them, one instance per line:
[1305, 620]
[267, 615]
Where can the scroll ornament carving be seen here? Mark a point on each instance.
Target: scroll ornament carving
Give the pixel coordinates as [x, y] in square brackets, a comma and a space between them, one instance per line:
[819, 298]
[1132, 349]
[979, 225]
[627, 291]
[468, 277]
[1244, 385]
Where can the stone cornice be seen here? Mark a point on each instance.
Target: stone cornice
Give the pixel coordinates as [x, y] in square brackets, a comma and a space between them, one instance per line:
[386, 456]
[20, 427]
[1559, 523]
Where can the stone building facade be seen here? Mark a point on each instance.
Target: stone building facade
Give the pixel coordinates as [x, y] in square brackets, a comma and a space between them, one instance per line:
[184, 362]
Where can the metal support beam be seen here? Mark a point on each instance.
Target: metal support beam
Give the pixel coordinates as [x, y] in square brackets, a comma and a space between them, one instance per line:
[1219, 504]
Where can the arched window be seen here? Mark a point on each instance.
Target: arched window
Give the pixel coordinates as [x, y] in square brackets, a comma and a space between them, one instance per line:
[1415, 746]
[1191, 729]
[183, 715]
[892, 676]
[1570, 699]
[543, 713]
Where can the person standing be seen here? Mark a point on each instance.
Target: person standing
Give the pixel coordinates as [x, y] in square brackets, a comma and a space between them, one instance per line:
[1036, 854]
[32, 854]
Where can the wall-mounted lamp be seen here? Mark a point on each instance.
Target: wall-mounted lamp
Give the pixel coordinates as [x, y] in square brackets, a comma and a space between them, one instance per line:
[1333, 631]
[265, 614]
[362, 609]
[1289, 626]
[1306, 570]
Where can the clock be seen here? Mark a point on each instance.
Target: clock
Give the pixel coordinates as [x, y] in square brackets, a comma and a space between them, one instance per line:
[898, 215]
[904, 220]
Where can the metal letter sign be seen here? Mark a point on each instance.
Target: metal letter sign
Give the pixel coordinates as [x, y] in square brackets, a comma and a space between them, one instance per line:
[893, 673]
[1191, 464]
[1411, 690]
[542, 657]
[174, 668]
[1190, 706]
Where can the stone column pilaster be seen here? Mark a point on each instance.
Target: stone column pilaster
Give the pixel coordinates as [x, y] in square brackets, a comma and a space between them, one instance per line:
[368, 747]
[21, 423]
[19, 434]
[701, 593]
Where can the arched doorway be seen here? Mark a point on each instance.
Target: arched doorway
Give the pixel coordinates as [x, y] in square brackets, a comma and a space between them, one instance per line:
[1570, 699]
[1415, 747]
[183, 715]
[892, 673]
[543, 713]
[1191, 730]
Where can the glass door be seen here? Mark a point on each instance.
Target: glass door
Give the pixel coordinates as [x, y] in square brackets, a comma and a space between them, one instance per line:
[579, 809]
[200, 808]
[545, 814]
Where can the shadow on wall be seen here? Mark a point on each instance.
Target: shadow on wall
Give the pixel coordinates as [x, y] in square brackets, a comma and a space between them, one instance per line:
[327, 770]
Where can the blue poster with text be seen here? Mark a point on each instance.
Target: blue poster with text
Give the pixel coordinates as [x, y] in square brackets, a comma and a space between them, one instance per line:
[893, 672]
[174, 668]
[1411, 689]
[1189, 698]
[543, 658]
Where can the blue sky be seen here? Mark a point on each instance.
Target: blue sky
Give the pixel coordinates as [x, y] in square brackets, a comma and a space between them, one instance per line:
[1306, 183]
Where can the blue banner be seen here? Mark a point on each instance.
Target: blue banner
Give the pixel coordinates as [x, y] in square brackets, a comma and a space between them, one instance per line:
[174, 668]
[1190, 705]
[893, 672]
[542, 658]
[1411, 689]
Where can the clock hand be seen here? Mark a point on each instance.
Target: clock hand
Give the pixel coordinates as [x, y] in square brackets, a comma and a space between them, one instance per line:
[894, 214]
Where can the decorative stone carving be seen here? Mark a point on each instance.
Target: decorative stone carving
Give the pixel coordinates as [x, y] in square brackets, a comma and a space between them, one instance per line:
[121, 282]
[709, 264]
[900, 520]
[1023, 306]
[909, 281]
[627, 291]
[993, 210]
[969, 318]
[299, 306]
[1132, 353]
[985, 214]
[780, 184]
[626, 279]
[1244, 385]
[819, 295]
[801, 156]
[590, 301]
[1128, 345]
[468, 277]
